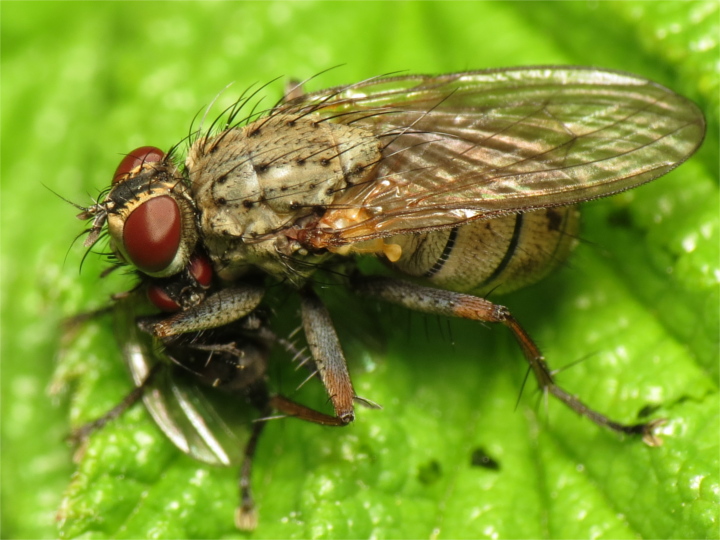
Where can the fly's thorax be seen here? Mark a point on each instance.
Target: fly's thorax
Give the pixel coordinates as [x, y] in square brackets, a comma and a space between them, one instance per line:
[253, 184]
[501, 254]
[280, 256]
[151, 219]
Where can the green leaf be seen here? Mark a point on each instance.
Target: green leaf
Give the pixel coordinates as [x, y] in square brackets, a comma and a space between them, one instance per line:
[637, 303]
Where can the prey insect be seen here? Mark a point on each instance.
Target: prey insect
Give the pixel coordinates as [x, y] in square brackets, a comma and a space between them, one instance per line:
[465, 183]
[186, 381]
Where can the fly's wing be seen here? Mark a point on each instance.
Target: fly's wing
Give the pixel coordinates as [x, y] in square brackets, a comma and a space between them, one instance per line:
[477, 145]
[202, 422]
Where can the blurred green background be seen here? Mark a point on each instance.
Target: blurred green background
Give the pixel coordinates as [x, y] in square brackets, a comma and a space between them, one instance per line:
[83, 83]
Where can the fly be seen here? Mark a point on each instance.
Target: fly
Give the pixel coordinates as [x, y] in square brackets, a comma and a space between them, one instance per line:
[466, 183]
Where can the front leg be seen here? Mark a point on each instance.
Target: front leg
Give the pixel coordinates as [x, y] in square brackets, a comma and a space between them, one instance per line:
[221, 308]
[467, 306]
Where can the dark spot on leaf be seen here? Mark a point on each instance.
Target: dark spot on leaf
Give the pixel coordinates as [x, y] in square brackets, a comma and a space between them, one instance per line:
[480, 458]
[647, 410]
[620, 218]
[429, 473]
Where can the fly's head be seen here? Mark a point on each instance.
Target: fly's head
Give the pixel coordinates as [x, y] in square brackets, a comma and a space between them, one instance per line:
[150, 218]
[149, 214]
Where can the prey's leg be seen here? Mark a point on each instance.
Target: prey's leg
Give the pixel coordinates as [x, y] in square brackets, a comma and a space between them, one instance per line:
[246, 514]
[83, 432]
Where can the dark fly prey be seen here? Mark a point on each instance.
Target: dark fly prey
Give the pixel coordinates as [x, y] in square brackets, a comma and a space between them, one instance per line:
[184, 380]
[465, 182]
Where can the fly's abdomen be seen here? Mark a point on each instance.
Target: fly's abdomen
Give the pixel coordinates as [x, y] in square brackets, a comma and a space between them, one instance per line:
[501, 254]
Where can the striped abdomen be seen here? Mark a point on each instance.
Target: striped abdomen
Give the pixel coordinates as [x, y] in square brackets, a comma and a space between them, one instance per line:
[498, 255]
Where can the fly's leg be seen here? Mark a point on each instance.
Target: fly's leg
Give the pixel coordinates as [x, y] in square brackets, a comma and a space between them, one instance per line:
[326, 351]
[128, 401]
[295, 410]
[223, 307]
[293, 90]
[466, 306]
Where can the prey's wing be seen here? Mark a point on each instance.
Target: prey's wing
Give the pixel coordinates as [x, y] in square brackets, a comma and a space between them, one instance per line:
[202, 422]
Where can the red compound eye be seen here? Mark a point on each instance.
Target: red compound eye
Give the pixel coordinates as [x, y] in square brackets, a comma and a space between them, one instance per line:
[201, 269]
[152, 234]
[144, 154]
[161, 299]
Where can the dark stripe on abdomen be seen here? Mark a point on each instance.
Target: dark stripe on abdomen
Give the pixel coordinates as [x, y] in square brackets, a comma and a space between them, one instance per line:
[512, 246]
[442, 259]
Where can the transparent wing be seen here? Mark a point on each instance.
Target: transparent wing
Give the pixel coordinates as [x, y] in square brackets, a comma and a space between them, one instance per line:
[477, 145]
[202, 422]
